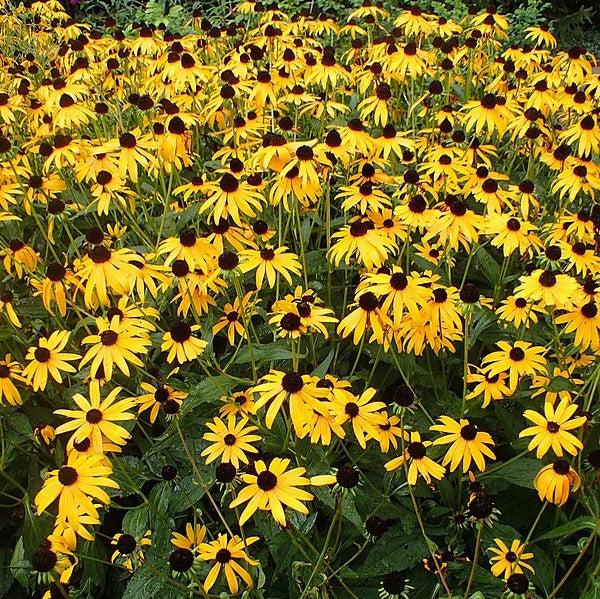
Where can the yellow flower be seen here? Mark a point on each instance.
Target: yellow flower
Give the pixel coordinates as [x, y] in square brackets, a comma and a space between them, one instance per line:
[75, 485]
[227, 553]
[268, 262]
[555, 481]
[520, 359]
[96, 419]
[155, 397]
[116, 343]
[551, 429]
[507, 561]
[467, 443]
[415, 453]
[273, 487]
[230, 441]
[48, 358]
[10, 371]
[181, 344]
[364, 414]
[301, 392]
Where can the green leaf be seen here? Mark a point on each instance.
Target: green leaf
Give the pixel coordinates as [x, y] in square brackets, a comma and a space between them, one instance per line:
[136, 520]
[323, 367]
[151, 582]
[208, 390]
[394, 551]
[581, 523]
[263, 353]
[489, 267]
[521, 472]
[560, 383]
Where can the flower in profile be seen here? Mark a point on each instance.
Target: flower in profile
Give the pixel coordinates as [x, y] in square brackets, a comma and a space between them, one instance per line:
[184, 559]
[555, 481]
[273, 487]
[584, 321]
[53, 561]
[191, 540]
[97, 419]
[48, 358]
[467, 443]
[507, 561]
[10, 370]
[230, 441]
[226, 553]
[551, 431]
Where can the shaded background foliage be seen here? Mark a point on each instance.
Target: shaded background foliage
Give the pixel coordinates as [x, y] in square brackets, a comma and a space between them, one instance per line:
[574, 22]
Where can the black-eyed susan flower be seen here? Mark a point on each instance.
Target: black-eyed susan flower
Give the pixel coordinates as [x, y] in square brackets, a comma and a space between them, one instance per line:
[235, 316]
[364, 414]
[10, 370]
[48, 358]
[97, 418]
[467, 443]
[6, 306]
[129, 551]
[230, 440]
[493, 387]
[584, 321]
[361, 240]
[162, 396]
[509, 560]
[518, 359]
[181, 344]
[366, 316]
[551, 431]
[117, 343]
[300, 391]
[555, 482]
[76, 484]
[268, 263]
[240, 402]
[518, 311]
[103, 270]
[227, 553]
[415, 455]
[53, 560]
[274, 487]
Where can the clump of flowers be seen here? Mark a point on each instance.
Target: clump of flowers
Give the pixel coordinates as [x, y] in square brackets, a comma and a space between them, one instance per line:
[298, 306]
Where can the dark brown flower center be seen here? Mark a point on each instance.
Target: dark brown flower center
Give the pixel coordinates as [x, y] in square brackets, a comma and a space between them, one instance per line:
[266, 480]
